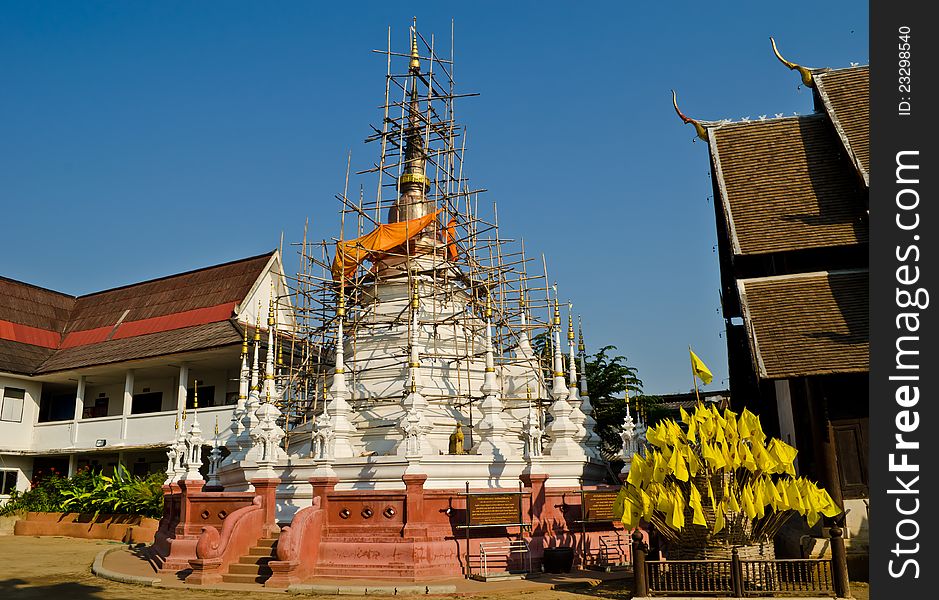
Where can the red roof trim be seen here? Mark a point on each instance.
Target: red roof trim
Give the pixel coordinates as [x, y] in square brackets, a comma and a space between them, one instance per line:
[51, 339]
[25, 334]
[188, 318]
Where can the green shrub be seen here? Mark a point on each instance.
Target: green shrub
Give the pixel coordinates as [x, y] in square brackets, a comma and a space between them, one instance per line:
[90, 491]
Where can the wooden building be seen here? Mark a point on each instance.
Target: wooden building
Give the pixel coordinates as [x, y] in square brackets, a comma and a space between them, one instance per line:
[791, 204]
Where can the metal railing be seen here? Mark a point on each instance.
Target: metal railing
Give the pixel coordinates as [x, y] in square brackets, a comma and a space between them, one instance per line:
[742, 578]
[788, 576]
[488, 550]
[705, 577]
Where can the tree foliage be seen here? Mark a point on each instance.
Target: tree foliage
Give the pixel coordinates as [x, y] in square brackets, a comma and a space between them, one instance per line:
[91, 491]
[608, 375]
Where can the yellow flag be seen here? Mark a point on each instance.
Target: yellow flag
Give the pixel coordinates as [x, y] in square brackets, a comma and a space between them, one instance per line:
[659, 468]
[746, 499]
[719, 517]
[646, 504]
[732, 502]
[829, 508]
[695, 503]
[746, 458]
[619, 505]
[636, 468]
[677, 520]
[699, 368]
[764, 460]
[631, 513]
[678, 466]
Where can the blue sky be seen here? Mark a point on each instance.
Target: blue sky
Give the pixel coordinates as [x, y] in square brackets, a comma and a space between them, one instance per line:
[139, 139]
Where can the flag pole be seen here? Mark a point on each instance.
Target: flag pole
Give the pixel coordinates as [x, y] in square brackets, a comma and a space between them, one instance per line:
[694, 378]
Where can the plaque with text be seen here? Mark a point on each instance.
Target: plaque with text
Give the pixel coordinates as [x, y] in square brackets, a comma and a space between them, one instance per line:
[494, 509]
[598, 506]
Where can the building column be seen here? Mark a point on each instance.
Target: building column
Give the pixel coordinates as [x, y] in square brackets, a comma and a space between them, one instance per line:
[787, 426]
[72, 464]
[128, 400]
[181, 390]
[79, 407]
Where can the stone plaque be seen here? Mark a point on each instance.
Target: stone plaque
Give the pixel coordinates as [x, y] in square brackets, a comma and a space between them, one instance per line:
[494, 509]
[598, 506]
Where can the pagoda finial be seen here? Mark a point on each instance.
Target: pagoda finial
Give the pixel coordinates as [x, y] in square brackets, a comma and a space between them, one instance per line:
[415, 65]
[806, 73]
[580, 333]
[698, 127]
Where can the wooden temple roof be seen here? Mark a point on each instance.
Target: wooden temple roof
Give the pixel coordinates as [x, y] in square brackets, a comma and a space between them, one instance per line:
[786, 184]
[808, 324]
[845, 95]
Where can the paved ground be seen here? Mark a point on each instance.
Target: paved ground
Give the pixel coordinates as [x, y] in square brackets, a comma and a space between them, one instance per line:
[53, 568]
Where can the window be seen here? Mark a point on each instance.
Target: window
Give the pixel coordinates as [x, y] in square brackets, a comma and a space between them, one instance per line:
[56, 406]
[206, 397]
[146, 403]
[12, 409]
[99, 409]
[7, 482]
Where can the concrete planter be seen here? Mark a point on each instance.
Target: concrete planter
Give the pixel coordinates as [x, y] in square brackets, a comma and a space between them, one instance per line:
[125, 528]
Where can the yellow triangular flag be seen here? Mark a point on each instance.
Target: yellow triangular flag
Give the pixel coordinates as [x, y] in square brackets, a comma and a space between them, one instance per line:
[636, 468]
[699, 368]
[695, 504]
[719, 517]
[678, 466]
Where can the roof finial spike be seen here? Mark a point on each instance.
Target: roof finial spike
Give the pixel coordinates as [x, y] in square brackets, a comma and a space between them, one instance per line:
[805, 72]
[698, 127]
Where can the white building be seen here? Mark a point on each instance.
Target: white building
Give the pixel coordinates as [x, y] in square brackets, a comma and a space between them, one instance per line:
[103, 378]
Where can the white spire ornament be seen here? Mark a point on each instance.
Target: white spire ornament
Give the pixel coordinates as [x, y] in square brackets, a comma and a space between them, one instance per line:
[339, 412]
[194, 440]
[561, 431]
[413, 423]
[492, 428]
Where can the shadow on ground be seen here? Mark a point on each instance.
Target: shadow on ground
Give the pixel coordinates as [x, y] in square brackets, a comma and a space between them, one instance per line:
[20, 589]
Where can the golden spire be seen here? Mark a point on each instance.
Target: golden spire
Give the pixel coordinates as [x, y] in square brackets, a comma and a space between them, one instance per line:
[244, 342]
[270, 312]
[415, 296]
[195, 394]
[488, 304]
[805, 72]
[570, 321]
[216, 425]
[257, 328]
[415, 65]
[698, 127]
[580, 331]
[557, 312]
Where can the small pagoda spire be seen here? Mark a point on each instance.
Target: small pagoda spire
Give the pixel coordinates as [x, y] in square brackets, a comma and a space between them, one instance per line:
[805, 72]
[582, 349]
[255, 366]
[699, 127]
[339, 412]
[269, 363]
[558, 388]
[572, 359]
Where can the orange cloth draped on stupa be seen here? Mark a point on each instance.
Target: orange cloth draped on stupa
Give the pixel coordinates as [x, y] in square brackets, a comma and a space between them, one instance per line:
[350, 254]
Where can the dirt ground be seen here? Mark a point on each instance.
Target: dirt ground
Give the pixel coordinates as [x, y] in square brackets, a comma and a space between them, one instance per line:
[55, 568]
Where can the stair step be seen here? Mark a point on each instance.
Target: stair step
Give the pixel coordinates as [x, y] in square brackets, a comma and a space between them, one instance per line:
[240, 578]
[255, 560]
[242, 569]
[261, 551]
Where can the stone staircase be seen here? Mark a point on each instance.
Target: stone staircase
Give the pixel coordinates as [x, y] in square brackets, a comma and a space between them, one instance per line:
[252, 567]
